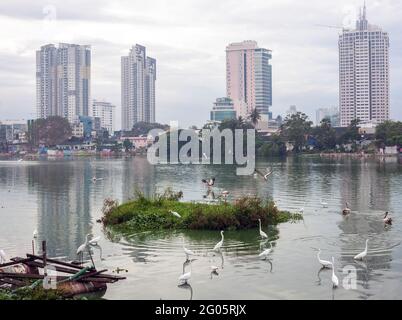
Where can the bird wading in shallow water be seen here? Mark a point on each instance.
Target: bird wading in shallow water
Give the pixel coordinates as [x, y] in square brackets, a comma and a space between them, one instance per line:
[262, 233]
[363, 254]
[387, 219]
[335, 280]
[219, 245]
[346, 211]
[325, 264]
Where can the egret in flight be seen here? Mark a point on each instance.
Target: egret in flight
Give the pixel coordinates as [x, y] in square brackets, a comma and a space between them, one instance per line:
[363, 254]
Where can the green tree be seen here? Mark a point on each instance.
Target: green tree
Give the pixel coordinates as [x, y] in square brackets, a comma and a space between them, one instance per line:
[352, 134]
[325, 135]
[389, 133]
[52, 130]
[143, 128]
[295, 129]
[128, 145]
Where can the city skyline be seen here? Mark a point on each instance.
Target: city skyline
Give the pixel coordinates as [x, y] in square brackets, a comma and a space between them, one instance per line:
[191, 70]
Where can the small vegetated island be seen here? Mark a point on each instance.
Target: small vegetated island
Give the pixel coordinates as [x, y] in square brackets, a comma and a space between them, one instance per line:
[166, 211]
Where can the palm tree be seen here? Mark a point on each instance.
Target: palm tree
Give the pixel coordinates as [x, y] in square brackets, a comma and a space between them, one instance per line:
[254, 117]
[240, 121]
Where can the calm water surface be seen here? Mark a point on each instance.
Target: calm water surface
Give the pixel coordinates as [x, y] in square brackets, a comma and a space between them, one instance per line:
[60, 200]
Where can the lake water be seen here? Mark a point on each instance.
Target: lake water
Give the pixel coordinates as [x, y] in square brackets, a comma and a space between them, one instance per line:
[60, 200]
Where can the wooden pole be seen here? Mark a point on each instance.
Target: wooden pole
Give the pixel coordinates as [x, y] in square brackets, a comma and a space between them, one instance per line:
[33, 247]
[44, 256]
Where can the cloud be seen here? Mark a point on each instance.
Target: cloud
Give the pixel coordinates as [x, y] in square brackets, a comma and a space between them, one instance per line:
[188, 39]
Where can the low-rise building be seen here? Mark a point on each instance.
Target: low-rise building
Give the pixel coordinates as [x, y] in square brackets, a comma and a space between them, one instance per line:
[223, 109]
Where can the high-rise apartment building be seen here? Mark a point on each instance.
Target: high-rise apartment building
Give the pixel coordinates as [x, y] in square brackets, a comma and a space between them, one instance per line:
[249, 77]
[138, 75]
[105, 111]
[63, 80]
[364, 73]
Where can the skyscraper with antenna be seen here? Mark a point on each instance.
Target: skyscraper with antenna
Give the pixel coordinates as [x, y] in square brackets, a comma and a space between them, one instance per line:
[364, 82]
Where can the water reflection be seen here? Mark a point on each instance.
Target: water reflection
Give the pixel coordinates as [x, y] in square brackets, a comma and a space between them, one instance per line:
[61, 201]
[64, 212]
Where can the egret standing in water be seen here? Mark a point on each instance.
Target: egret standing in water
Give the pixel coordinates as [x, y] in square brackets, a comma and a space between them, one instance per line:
[335, 280]
[219, 245]
[264, 255]
[262, 233]
[87, 247]
[325, 264]
[185, 277]
[363, 254]
[324, 204]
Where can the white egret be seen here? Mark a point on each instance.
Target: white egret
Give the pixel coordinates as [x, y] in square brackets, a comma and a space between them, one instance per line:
[335, 280]
[94, 241]
[175, 214]
[266, 176]
[185, 277]
[363, 254]
[86, 246]
[262, 233]
[325, 263]
[225, 193]
[387, 219]
[187, 251]
[82, 247]
[301, 210]
[324, 204]
[35, 234]
[219, 245]
[214, 268]
[264, 255]
[3, 256]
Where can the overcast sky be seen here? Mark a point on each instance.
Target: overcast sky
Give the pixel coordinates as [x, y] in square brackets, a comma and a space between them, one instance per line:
[188, 39]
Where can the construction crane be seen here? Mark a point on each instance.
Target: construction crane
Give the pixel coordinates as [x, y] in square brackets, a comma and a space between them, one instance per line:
[328, 26]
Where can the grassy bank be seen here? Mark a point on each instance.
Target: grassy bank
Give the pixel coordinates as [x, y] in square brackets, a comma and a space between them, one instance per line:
[31, 294]
[144, 213]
